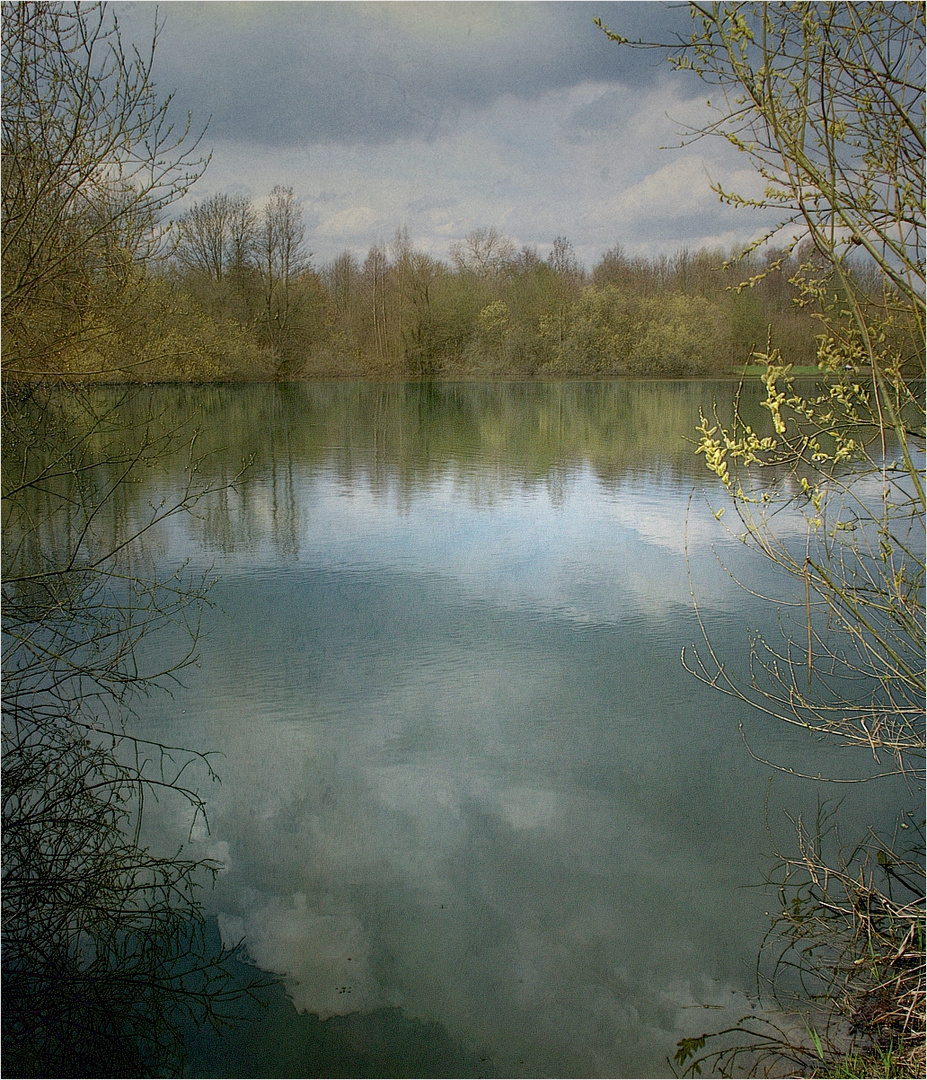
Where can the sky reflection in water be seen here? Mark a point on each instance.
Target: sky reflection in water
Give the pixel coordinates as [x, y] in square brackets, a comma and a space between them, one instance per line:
[464, 772]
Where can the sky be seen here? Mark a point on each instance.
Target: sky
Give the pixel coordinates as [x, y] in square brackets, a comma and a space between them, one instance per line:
[448, 117]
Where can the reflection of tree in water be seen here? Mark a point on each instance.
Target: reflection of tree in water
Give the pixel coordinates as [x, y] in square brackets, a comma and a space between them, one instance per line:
[487, 439]
[104, 939]
[384, 1042]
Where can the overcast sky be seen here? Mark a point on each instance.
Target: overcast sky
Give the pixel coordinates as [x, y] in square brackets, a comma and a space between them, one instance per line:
[445, 117]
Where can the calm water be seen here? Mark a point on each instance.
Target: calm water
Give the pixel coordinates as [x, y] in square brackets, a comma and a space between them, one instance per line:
[473, 811]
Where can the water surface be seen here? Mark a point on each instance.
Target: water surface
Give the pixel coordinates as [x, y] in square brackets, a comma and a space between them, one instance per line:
[473, 811]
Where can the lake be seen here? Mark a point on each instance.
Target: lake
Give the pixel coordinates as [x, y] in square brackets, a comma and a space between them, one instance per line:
[474, 812]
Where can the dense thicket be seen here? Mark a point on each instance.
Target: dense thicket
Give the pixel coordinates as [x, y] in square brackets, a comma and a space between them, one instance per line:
[245, 303]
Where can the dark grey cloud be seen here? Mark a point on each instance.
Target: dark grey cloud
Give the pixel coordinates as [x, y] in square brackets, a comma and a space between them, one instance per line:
[446, 117]
[298, 74]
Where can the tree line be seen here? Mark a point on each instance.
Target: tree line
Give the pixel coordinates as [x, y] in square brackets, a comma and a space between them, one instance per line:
[258, 308]
[103, 280]
[229, 291]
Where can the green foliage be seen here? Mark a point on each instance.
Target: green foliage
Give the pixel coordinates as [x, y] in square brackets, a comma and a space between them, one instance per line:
[163, 334]
[613, 332]
[686, 1049]
[225, 314]
[680, 337]
[404, 314]
[883, 1065]
[600, 333]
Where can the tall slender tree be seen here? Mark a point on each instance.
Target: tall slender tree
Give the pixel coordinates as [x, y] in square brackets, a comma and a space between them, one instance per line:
[281, 256]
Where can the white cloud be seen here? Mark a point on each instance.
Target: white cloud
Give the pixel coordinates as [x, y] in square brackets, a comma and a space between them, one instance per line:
[323, 956]
[355, 219]
[676, 190]
[584, 162]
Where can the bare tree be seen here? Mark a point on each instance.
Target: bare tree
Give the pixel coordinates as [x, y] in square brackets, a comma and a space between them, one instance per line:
[281, 256]
[341, 277]
[562, 259]
[218, 235]
[415, 273]
[375, 276]
[565, 265]
[527, 258]
[484, 252]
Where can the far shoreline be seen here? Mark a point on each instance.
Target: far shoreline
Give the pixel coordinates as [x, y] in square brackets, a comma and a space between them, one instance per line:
[85, 380]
